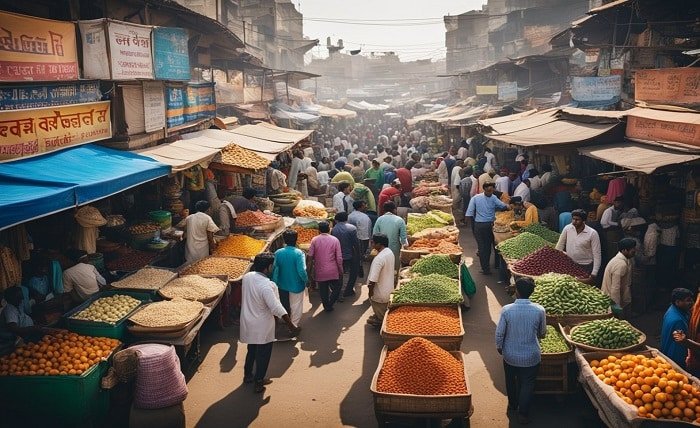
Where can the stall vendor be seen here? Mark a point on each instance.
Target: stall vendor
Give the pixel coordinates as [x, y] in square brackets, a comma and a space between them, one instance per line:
[581, 243]
[15, 323]
[245, 202]
[199, 233]
[82, 280]
[524, 213]
[226, 215]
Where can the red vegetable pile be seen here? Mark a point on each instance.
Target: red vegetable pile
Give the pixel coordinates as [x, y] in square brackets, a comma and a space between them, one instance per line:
[546, 260]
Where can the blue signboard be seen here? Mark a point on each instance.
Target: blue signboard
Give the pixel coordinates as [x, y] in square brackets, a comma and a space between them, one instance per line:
[171, 60]
[54, 94]
[175, 107]
[200, 102]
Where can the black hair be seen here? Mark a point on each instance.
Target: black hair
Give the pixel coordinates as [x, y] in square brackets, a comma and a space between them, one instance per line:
[75, 255]
[680, 294]
[290, 237]
[13, 293]
[580, 214]
[389, 206]
[343, 185]
[341, 216]
[356, 162]
[626, 244]
[201, 206]
[525, 287]
[468, 170]
[488, 184]
[357, 204]
[375, 161]
[262, 261]
[534, 172]
[324, 227]
[381, 239]
[332, 173]
[248, 193]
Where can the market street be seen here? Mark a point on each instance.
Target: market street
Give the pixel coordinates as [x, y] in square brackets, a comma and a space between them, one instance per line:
[323, 380]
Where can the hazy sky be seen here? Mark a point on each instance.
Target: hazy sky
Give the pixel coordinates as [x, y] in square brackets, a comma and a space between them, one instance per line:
[412, 28]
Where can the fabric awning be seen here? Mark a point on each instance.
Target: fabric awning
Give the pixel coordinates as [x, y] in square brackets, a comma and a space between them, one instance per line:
[43, 185]
[340, 113]
[267, 149]
[185, 153]
[638, 157]
[266, 131]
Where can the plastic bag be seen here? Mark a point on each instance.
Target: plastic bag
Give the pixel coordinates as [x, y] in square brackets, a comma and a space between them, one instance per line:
[467, 282]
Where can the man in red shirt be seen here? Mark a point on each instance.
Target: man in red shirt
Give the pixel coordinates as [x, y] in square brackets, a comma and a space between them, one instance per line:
[404, 176]
[392, 193]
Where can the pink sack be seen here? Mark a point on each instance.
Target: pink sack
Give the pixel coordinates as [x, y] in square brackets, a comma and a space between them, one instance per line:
[159, 380]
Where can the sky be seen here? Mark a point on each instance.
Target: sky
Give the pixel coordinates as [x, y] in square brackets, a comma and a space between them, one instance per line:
[412, 28]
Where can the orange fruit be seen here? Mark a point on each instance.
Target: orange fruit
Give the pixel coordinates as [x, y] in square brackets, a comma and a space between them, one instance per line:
[688, 413]
[647, 398]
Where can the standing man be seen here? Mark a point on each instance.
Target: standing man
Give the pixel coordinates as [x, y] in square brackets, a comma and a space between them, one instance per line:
[245, 202]
[523, 190]
[289, 273]
[227, 214]
[296, 174]
[380, 279]
[199, 233]
[676, 318]
[391, 193]
[465, 190]
[342, 201]
[394, 228]
[482, 212]
[363, 223]
[259, 308]
[327, 259]
[519, 329]
[581, 243]
[350, 247]
[617, 278]
[612, 232]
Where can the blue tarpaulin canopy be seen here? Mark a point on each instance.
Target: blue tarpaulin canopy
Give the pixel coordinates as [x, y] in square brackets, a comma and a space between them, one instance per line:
[39, 186]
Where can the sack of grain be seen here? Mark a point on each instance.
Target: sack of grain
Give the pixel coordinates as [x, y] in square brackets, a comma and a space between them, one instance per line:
[159, 380]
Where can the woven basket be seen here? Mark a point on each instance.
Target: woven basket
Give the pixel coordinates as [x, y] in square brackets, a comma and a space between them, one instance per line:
[447, 406]
[447, 208]
[574, 319]
[407, 255]
[566, 332]
[447, 342]
[518, 274]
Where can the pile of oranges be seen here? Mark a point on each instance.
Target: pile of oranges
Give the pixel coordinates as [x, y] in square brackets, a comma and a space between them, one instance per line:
[651, 385]
[305, 234]
[59, 354]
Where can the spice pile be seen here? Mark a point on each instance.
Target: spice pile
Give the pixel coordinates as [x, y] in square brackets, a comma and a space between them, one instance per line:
[521, 245]
[427, 188]
[431, 288]
[436, 263]
[419, 320]
[543, 232]
[450, 233]
[254, 218]
[561, 294]
[553, 342]
[310, 211]
[610, 333]
[546, 260]
[435, 246]
[131, 261]
[146, 279]
[234, 268]
[305, 234]
[168, 313]
[193, 287]
[420, 367]
[239, 246]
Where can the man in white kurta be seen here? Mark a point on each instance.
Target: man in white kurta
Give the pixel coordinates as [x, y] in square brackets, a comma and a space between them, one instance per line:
[295, 169]
[259, 307]
[199, 233]
[617, 278]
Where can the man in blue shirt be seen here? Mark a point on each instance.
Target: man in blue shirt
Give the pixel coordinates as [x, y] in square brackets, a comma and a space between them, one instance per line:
[289, 273]
[521, 325]
[350, 246]
[676, 318]
[482, 212]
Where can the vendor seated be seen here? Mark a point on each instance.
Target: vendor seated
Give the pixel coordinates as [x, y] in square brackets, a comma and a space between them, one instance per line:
[245, 202]
[15, 323]
[38, 284]
[82, 280]
[524, 213]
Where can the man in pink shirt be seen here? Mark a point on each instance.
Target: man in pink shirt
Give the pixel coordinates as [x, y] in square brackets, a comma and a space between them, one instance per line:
[327, 259]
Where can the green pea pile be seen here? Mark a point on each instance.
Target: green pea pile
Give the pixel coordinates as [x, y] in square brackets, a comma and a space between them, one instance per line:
[553, 342]
[434, 218]
[543, 232]
[520, 246]
[433, 288]
[436, 263]
[562, 294]
[610, 333]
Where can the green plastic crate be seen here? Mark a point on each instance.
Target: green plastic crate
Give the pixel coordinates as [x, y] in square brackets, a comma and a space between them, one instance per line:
[100, 329]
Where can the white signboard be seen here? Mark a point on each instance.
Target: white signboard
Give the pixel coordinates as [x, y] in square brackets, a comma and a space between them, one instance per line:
[130, 51]
[153, 106]
[95, 58]
[596, 88]
[508, 91]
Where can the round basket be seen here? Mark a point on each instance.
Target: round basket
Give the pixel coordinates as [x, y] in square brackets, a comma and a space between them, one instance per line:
[516, 273]
[407, 255]
[567, 331]
[447, 208]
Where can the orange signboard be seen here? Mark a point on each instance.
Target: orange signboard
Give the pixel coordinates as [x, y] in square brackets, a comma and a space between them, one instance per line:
[675, 86]
[36, 49]
[649, 129]
[35, 131]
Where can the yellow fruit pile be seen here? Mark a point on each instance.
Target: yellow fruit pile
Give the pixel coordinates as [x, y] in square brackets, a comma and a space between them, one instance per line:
[240, 246]
[651, 385]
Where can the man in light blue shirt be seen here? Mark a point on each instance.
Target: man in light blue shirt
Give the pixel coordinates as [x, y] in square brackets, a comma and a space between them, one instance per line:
[520, 326]
[363, 223]
[289, 274]
[482, 211]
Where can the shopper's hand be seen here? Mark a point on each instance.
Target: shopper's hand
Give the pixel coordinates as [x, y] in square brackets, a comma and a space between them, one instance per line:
[679, 336]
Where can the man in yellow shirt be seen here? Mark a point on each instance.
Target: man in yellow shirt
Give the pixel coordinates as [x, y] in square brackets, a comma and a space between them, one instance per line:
[524, 213]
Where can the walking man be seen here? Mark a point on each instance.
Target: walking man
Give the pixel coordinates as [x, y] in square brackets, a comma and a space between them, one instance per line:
[482, 211]
[617, 278]
[327, 257]
[519, 329]
[259, 308]
[380, 279]
[359, 218]
[394, 228]
[289, 273]
[350, 248]
[342, 202]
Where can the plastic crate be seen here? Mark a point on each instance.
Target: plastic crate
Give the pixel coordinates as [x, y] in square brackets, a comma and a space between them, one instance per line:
[101, 329]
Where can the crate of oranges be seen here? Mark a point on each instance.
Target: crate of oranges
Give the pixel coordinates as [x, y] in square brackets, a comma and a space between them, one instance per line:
[629, 388]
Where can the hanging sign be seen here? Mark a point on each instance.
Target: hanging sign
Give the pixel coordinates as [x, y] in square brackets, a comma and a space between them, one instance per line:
[171, 59]
[94, 42]
[130, 51]
[487, 90]
[153, 106]
[55, 94]
[648, 129]
[175, 105]
[508, 91]
[676, 86]
[36, 49]
[600, 88]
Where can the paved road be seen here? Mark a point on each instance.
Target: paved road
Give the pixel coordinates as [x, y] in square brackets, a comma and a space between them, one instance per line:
[322, 380]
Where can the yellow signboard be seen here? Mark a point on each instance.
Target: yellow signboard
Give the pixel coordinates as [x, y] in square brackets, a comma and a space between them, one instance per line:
[487, 90]
[36, 49]
[35, 131]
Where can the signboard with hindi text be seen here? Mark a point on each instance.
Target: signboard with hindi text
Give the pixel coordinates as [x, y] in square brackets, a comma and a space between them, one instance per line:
[130, 51]
[651, 129]
[171, 59]
[36, 49]
[153, 106]
[596, 89]
[18, 97]
[94, 42]
[36, 131]
[675, 86]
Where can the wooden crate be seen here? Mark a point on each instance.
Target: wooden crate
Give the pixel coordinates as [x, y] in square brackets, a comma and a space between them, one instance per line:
[555, 376]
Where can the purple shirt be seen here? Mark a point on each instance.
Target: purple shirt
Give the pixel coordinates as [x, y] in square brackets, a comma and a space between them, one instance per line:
[328, 257]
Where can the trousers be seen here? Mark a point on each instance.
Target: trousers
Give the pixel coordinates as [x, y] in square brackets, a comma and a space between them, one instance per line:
[330, 291]
[379, 309]
[520, 386]
[258, 358]
[351, 266]
[483, 232]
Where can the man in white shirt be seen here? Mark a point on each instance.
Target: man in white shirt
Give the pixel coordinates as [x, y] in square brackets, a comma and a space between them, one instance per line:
[611, 216]
[342, 201]
[297, 168]
[312, 179]
[617, 278]
[581, 243]
[523, 190]
[490, 159]
[546, 175]
[259, 307]
[199, 233]
[226, 215]
[535, 180]
[503, 182]
[363, 223]
[82, 280]
[380, 279]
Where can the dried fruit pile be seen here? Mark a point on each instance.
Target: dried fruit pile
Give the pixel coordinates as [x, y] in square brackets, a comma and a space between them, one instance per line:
[193, 287]
[420, 367]
[131, 261]
[239, 246]
[254, 218]
[108, 309]
[546, 260]
[238, 156]
[521, 245]
[167, 313]
[436, 246]
[419, 320]
[305, 234]
[310, 211]
[234, 268]
[145, 279]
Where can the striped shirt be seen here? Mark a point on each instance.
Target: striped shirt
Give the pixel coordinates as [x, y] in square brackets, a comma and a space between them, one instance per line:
[517, 333]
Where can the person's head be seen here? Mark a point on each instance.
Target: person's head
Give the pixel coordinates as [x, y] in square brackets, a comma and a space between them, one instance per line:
[347, 152]
[388, 159]
[299, 154]
[375, 163]
[396, 184]
[415, 156]
[249, 193]
[263, 263]
[201, 206]
[578, 219]
[356, 162]
[512, 176]
[467, 171]
[410, 164]
[75, 255]
[491, 172]
[628, 247]
[324, 227]
[380, 241]
[517, 202]
[534, 172]
[360, 206]
[314, 164]
[546, 167]
[13, 295]
[339, 165]
[524, 287]
[332, 173]
[488, 188]
[389, 207]
[341, 217]
[290, 237]
[618, 203]
[344, 187]
[682, 298]
[527, 182]
[487, 150]
[221, 192]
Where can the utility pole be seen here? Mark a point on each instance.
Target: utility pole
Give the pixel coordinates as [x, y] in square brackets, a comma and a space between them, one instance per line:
[243, 21]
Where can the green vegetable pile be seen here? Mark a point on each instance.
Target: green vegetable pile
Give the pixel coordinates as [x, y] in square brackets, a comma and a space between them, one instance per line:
[434, 218]
[520, 246]
[610, 333]
[436, 263]
[433, 288]
[562, 294]
[543, 232]
[553, 342]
